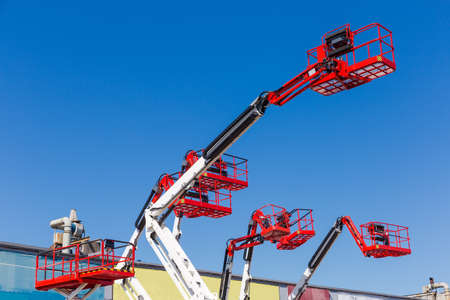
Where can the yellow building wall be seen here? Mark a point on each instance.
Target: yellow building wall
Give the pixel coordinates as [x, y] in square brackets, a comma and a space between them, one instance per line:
[160, 287]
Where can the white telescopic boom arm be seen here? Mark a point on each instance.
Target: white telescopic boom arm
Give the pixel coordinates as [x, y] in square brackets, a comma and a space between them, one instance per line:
[212, 152]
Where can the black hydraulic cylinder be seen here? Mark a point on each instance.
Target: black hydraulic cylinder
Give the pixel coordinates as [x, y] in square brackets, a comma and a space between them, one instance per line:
[244, 121]
[226, 275]
[140, 221]
[325, 245]
[248, 254]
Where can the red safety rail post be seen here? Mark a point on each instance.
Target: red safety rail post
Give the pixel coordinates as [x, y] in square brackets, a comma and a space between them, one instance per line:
[384, 239]
[302, 229]
[273, 221]
[82, 263]
[371, 57]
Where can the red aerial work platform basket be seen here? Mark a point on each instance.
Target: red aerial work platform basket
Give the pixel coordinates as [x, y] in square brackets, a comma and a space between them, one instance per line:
[383, 239]
[361, 56]
[302, 227]
[200, 201]
[82, 266]
[228, 172]
[274, 222]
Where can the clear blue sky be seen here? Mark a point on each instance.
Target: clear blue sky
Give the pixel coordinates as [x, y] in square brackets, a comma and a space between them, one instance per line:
[99, 98]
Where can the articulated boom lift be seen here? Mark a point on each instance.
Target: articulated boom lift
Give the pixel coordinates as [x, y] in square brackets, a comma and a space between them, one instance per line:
[288, 230]
[374, 239]
[343, 61]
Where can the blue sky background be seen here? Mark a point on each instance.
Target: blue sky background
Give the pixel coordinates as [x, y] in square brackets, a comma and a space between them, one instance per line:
[99, 98]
